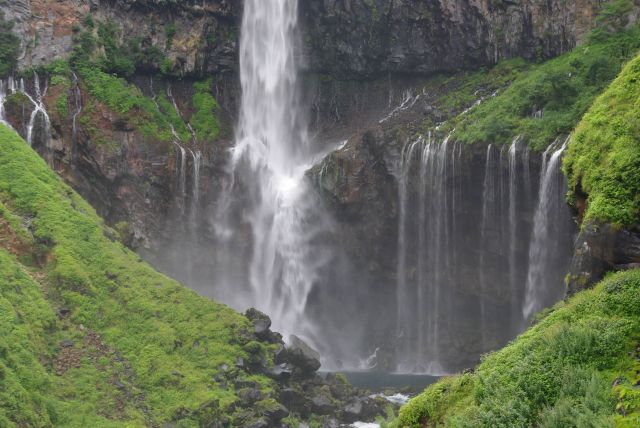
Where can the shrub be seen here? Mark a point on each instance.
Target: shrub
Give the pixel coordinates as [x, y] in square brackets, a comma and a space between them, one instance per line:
[559, 373]
[204, 120]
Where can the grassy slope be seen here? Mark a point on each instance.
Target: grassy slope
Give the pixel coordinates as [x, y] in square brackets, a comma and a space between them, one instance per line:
[603, 158]
[558, 374]
[145, 350]
[562, 89]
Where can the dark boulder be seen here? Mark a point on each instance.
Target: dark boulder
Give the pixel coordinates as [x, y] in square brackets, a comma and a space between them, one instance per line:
[322, 403]
[302, 356]
[599, 249]
[261, 321]
[280, 372]
[361, 409]
[295, 400]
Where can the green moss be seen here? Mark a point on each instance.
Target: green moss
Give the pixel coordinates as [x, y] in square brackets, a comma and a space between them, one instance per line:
[559, 373]
[204, 120]
[166, 343]
[170, 31]
[603, 158]
[167, 108]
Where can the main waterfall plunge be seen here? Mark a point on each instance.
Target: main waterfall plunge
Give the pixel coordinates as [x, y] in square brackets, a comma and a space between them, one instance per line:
[267, 168]
[483, 234]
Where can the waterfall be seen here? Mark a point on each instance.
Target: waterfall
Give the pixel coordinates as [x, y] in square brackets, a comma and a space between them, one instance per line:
[267, 169]
[38, 108]
[423, 298]
[3, 94]
[513, 231]
[181, 156]
[77, 102]
[542, 289]
[197, 165]
[194, 138]
[489, 199]
[404, 324]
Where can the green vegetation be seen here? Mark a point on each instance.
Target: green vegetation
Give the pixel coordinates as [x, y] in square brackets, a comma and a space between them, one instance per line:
[204, 120]
[167, 108]
[9, 47]
[603, 159]
[547, 100]
[104, 73]
[557, 374]
[170, 31]
[91, 335]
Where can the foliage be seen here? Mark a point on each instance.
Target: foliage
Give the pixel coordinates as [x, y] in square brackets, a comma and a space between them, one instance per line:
[9, 47]
[547, 100]
[162, 345]
[204, 120]
[117, 55]
[603, 158]
[170, 31]
[557, 374]
[168, 109]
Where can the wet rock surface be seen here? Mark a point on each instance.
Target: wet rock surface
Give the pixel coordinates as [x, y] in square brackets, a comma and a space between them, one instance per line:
[601, 248]
[368, 38]
[303, 392]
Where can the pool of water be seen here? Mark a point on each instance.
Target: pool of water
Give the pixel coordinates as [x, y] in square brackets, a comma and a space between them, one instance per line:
[379, 382]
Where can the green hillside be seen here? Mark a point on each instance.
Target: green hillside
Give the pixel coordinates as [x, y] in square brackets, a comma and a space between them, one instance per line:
[91, 335]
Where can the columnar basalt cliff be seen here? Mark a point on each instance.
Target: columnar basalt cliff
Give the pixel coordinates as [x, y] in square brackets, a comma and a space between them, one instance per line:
[375, 37]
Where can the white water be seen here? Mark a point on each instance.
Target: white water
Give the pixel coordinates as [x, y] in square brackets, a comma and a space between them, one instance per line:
[38, 108]
[424, 302]
[546, 221]
[3, 95]
[513, 230]
[489, 198]
[270, 158]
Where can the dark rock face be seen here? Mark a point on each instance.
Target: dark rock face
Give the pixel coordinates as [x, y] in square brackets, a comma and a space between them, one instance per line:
[204, 41]
[367, 38]
[600, 249]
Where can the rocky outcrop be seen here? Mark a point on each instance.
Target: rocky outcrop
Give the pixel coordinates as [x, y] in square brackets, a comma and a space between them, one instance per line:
[352, 38]
[302, 391]
[601, 248]
[348, 38]
[198, 37]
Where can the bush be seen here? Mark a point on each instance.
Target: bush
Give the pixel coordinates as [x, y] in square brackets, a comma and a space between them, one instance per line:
[603, 159]
[559, 373]
[204, 120]
[561, 89]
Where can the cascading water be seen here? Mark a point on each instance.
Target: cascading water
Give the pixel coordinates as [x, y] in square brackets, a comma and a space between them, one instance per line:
[489, 198]
[546, 253]
[3, 95]
[39, 109]
[514, 150]
[423, 297]
[465, 246]
[269, 161]
[77, 102]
